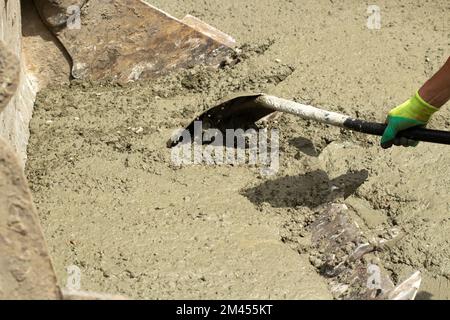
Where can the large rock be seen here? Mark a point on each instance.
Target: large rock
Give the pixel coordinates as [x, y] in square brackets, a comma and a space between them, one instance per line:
[26, 270]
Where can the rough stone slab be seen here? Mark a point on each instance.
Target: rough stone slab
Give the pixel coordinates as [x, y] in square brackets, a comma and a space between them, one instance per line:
[26, 270]
[17, 112]
[127, 40]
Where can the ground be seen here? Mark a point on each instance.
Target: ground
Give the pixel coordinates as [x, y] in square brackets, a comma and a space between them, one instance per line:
[112, 202]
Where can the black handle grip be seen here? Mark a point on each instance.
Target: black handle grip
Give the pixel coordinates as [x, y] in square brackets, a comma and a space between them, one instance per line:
[418, 134]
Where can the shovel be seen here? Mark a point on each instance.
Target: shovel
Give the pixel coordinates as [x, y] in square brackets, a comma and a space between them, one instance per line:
[244, 111]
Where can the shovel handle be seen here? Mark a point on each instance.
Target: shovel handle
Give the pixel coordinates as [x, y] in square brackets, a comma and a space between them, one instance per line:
[418, 134]
[308, 112]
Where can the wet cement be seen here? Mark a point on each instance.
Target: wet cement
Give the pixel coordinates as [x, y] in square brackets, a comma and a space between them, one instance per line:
[111, 201]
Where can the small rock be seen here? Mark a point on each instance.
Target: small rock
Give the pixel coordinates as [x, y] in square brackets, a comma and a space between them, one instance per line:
[106, 274]
[130, 274]
[316, 262]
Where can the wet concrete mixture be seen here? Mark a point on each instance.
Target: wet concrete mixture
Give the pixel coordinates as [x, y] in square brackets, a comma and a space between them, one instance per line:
[112, 202]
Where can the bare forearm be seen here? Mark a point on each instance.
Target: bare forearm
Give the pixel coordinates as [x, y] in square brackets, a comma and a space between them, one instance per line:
[436, 91]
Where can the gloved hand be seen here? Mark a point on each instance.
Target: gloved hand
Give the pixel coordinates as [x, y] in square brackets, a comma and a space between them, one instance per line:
[414, 112]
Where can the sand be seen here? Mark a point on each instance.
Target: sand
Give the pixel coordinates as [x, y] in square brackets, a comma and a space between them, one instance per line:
[112, 202]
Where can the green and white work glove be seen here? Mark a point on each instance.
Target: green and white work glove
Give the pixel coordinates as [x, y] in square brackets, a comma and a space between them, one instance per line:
[414, 112]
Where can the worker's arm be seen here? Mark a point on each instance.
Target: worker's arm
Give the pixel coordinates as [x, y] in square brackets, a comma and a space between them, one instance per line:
[436, 91]
[417, 110]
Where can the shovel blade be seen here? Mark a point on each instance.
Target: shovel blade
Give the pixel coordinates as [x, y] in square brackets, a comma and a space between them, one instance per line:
[127, 40]
[241, 111]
